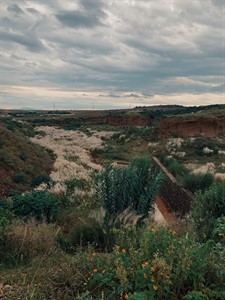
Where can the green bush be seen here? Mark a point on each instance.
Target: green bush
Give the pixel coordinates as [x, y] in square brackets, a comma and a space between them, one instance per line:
[24, 156]
[20, 178]
[162, 265]
[85, 232]
[40, 205]
[197, 182]
[39, 179]
[207, 208]
[175, 168]
[72, 126]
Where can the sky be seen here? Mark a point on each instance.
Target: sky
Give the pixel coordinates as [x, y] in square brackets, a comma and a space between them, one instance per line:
[103, 54]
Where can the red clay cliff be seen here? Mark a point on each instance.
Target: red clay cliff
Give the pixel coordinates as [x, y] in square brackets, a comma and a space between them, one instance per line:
[185, 126]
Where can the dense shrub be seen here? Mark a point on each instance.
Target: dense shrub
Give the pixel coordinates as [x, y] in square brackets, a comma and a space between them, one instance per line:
[162, 265]
[20, 178]
[40, 205]
[197, 182]
[175, 168]
[37, 180]
[207, 208]
[83, 233]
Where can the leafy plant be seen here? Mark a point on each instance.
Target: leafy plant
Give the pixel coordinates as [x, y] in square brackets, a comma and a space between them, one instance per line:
[207, 208]
[197, 182]
[40, 205]
[83, 233]
[175, 167]
[134, 186]
[39, 179]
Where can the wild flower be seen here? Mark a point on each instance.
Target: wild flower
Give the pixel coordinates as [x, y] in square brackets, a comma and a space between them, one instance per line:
[145, 264]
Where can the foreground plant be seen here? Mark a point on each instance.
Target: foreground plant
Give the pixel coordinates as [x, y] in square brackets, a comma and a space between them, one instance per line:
[163, 266]
[208, 207]
[133, 187]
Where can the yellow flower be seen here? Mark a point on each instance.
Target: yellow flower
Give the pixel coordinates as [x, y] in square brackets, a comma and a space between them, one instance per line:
[95, 270]
[152, 269]
[124, 250]
[153, 230]
[155, 288]
[145, 275]
[93, 254]
[152, 279]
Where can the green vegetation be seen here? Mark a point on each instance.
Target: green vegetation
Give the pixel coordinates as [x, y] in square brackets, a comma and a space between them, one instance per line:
[132, 187]
[39, 179]
[83, 254]
[197, 182]
[207, 209]
[93, 239]
[40, 205]
[191, 181]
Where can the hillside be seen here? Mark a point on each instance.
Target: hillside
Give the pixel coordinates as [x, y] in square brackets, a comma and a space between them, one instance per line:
[20, 159]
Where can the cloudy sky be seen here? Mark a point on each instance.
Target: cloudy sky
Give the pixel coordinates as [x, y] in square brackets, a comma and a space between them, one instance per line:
[85, 54]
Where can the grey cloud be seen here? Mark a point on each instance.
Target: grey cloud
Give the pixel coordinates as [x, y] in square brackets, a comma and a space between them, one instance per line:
[218, 88]
[121, 46]
[132, 95]
[219, 3]
[89, 16]
[32, 10]
[15, 8]
[31, 42]
[76, 19]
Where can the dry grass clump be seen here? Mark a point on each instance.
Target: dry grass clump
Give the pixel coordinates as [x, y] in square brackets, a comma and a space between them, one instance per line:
[72, 149]
[29, 239]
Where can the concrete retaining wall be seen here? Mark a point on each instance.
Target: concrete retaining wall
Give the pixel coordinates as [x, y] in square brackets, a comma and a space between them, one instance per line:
[176, 198]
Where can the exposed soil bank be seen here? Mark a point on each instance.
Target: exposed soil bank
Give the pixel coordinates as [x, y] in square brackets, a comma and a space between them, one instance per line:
[185, 126]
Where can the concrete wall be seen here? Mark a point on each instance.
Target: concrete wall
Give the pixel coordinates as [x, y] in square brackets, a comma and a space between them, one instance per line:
[175, 197]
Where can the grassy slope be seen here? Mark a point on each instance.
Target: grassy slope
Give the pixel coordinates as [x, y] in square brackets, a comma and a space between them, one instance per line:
[18, 154]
